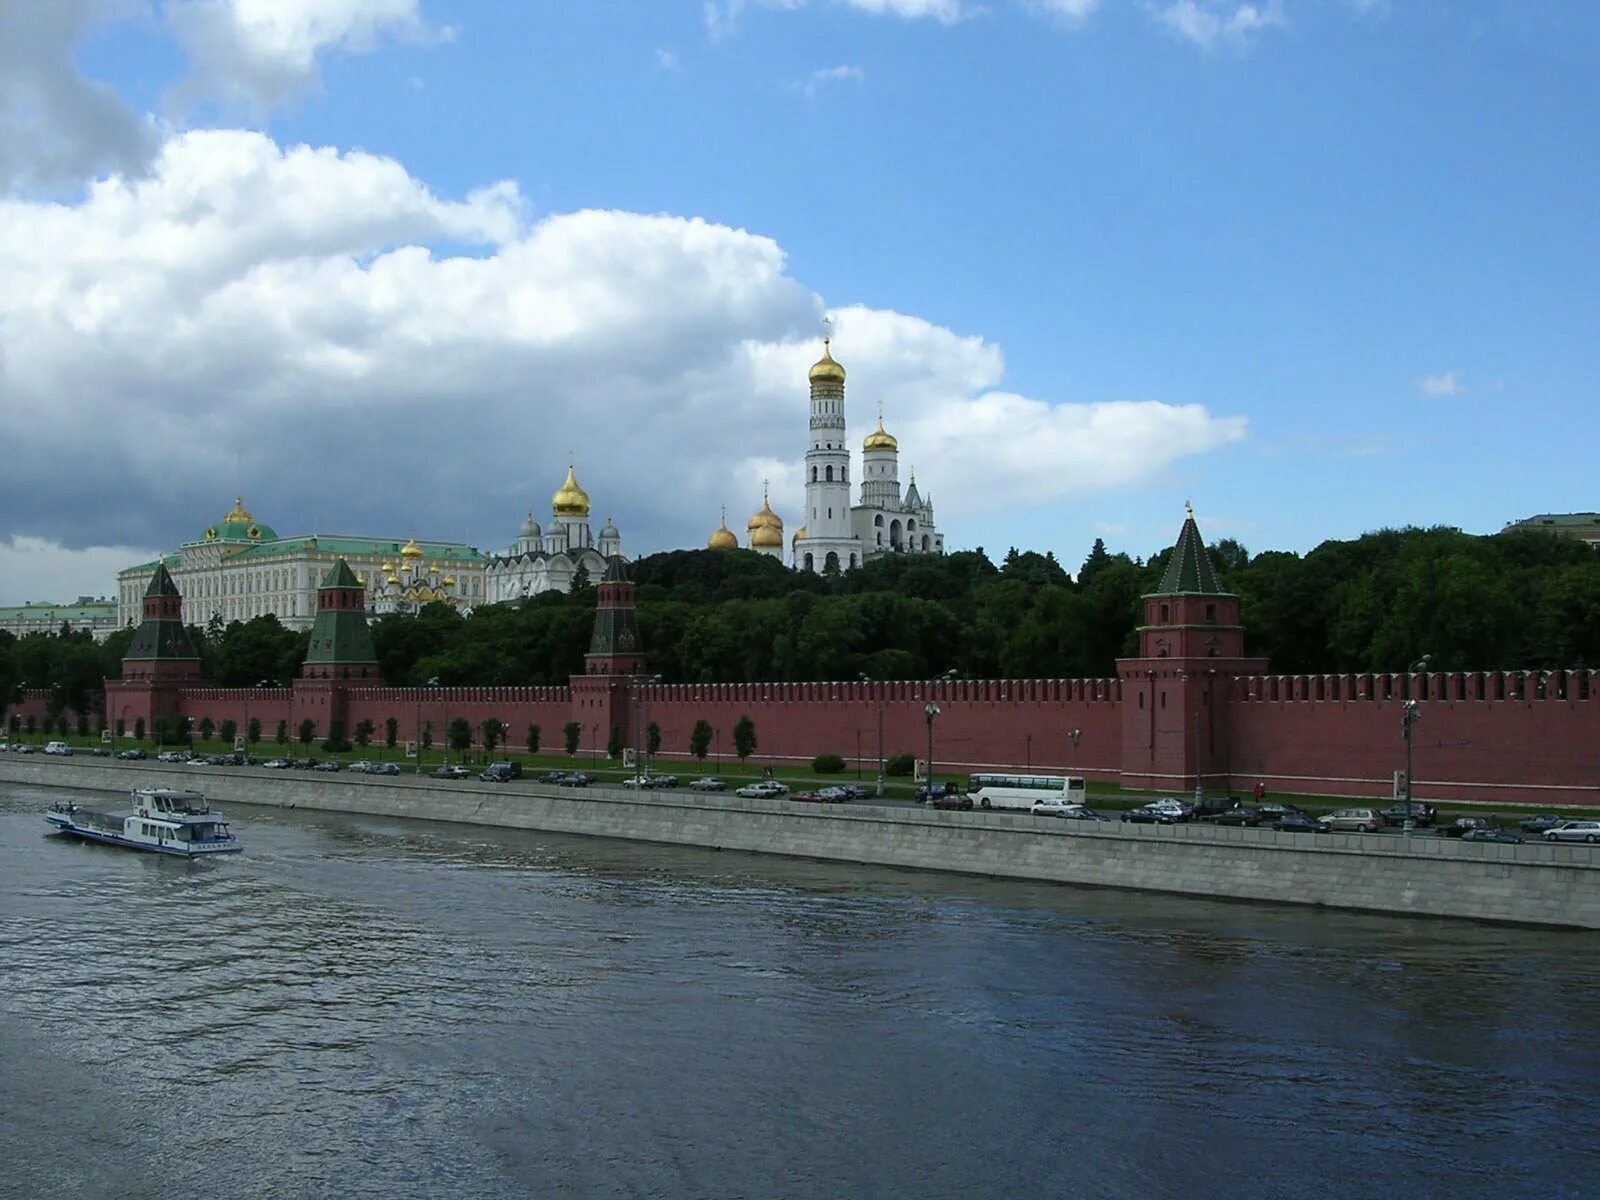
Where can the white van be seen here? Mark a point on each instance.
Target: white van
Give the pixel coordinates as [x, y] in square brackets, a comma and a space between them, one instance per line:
[58, 748]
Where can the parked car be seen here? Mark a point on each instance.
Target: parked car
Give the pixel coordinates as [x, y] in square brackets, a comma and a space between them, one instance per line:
[1422, 815]
[362, 767]
[60, 748]
[385, 768]
[329, 764]
[276, 764]
[1238, 815]
[1542, 822]
[1298, 822]
[1462, 825]
[499, 772]
[953, 800]
[857, 792]
[665, 781]
[219, 760]
[638, 782]
[22, 748]
[451, 772]
[100, 752]
[835, 795]
[552, 777]
[767, 789]
[925, 792]
[577, 779]
[1492, 835]
[1273, 810]
[134, 755]
[1083, 814]
[708, 783]
[1148, 816]
[1053, 806]
[1182, 810]
[807, 797]
[1574, 831]
[1353, 820]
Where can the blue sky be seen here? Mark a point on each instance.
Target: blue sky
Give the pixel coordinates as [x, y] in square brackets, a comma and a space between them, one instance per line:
[1320, 265]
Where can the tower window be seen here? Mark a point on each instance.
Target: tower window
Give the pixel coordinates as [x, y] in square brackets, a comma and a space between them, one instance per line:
[1166, 614]
[1211, 614]
[828, 475]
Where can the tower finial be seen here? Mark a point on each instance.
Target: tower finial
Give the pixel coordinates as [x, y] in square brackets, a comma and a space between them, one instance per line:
[765, 484]
[1188, 510]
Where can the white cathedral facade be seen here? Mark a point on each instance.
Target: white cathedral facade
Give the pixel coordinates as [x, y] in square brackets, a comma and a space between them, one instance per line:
[548, 560]
[838, 534]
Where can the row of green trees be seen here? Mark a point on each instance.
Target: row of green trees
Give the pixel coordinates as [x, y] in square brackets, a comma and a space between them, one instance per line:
[1519, 600]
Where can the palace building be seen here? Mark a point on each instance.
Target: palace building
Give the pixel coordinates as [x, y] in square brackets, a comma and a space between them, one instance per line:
[241, 568]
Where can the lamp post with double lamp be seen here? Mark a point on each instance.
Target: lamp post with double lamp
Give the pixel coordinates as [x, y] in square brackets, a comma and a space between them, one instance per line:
[641, 761]
[865, 678]
[1410, 714]
[432, 682]
[931, 711]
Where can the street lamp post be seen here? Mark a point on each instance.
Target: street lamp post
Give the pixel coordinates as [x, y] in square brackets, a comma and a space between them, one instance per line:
[1410, 714]
[932, 711]
[865, 678]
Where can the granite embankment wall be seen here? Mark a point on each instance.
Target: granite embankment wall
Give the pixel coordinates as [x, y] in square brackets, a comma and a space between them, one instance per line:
[1534, 884]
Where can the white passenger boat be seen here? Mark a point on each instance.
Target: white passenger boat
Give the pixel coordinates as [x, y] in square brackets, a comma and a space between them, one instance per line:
[162, 819]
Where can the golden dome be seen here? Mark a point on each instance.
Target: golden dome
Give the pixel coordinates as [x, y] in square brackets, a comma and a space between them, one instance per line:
[240, 515]
[449, 581]
[880, 439]
[571, 500]
[768, 537]
[765, 519]
[722, 539]
[411, 549]
[825, 368]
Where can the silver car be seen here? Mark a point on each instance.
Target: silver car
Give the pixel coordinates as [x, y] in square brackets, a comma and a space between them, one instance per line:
[1359, 820]
[1574, 831]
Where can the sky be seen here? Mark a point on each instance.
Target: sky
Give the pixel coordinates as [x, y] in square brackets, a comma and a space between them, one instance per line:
[385, 267]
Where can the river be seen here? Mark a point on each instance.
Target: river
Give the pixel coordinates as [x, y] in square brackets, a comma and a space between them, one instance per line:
[362, 1007]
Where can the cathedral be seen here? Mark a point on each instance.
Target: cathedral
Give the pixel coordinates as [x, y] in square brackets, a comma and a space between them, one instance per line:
[838, 535]
[548, 560]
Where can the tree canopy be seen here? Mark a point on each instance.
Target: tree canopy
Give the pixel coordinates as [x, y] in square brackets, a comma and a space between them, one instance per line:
[1519, 600]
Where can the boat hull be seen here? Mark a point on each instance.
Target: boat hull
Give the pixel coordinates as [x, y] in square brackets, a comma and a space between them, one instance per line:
[172, 849]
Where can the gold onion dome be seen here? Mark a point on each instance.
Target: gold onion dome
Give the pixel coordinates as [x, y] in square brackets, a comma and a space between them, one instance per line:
[768, 537]
[825, 368]
[722, 539]
[411, 549]
[765, 518]
[880, 439]
[571, 500]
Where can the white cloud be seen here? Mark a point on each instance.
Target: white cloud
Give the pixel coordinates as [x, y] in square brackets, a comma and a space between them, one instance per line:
[264, 51]
[36, 569]
[666, 60]
[1446, 384]
[369, 357]
[722, 16]
[1219, 24]
[1070, 12]
[55, 126]
[819, 79]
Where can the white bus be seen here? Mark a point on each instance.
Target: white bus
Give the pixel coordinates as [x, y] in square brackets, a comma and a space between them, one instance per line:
[1021, 791]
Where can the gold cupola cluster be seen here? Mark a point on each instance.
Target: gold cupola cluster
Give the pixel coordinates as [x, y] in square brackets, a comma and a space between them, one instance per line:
[766, 527]
[722, 538]
[571, 500]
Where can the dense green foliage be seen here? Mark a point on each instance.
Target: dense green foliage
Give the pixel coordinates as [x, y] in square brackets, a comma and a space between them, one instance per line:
[1521, 600]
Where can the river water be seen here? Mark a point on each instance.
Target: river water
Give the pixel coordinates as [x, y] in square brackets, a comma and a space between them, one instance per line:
[361, 1007]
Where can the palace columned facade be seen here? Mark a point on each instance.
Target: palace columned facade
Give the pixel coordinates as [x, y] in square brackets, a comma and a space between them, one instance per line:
[240, 568]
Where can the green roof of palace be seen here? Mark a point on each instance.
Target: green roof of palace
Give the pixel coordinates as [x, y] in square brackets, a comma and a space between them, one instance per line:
[343, 547]
[1558, 521]
[55, 613]
[1189, 570]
